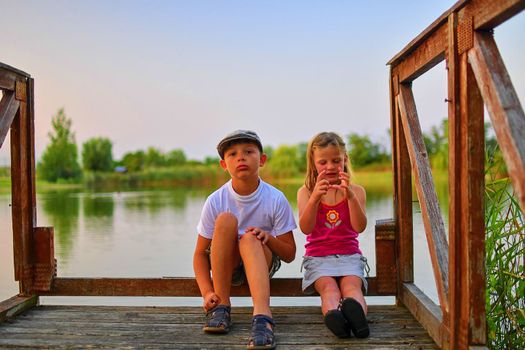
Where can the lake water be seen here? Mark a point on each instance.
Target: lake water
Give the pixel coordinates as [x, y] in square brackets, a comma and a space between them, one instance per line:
[151, 233]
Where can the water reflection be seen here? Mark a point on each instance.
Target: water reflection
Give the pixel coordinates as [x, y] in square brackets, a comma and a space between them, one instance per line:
[152, 233]
[62, 210]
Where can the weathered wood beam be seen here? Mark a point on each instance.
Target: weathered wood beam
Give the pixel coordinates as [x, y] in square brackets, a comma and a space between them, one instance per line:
[23, 189]
[431, 213]
[451, 320]
[423, 57]
[9, 75]
[428, 49]
[472, 266]
[386, 265]
[8, 107]
[168, 287]
[503, 105]
[16, 305]
[403, 204]
[425, 311]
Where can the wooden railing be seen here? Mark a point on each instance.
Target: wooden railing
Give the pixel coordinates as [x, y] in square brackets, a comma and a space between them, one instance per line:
[476, 74]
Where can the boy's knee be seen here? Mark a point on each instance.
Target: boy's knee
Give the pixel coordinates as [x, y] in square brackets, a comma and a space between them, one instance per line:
[226, 221]
[249, 239]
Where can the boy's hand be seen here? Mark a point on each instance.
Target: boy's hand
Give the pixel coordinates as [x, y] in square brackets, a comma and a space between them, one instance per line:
[261, 235]
[321, 186]
[210, 301]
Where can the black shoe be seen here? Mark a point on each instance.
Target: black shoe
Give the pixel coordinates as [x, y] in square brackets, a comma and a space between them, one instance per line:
[335, 321]
[355, 316]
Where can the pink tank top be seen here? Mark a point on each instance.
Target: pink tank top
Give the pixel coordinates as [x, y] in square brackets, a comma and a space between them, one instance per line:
[333, 232]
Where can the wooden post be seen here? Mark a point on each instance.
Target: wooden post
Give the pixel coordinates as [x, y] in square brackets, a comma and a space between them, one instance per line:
[402, 200]
[23, 187]
[454, 177]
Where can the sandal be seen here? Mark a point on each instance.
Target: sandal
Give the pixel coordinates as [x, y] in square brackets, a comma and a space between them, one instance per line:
[218, 320]
[262, 337]
[336, 322]
[354, 314]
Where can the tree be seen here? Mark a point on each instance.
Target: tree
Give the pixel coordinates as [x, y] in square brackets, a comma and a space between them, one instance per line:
[97, 154]
[176, 157]
[59, 160]
[133, 161]
[154, 158]
[362, 151]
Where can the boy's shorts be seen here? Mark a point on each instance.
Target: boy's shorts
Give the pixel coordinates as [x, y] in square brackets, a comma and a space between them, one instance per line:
[239, 275]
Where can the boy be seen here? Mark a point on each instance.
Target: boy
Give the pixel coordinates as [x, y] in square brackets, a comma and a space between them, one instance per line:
[244, 230]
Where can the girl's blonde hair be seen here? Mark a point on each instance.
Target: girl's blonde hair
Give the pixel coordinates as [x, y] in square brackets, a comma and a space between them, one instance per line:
[322, 140]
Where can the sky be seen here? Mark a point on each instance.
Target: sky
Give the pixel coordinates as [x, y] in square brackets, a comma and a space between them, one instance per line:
[182, 74]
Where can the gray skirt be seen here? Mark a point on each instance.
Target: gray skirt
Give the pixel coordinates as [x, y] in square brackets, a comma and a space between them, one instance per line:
[336, 265]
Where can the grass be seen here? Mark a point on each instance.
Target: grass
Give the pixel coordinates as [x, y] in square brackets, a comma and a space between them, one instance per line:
[505, 275]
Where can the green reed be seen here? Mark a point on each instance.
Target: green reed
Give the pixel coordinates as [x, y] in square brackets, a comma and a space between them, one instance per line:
[505, 255]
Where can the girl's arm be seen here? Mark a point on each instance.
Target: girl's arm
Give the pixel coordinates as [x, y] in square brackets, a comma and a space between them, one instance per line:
[357, 203]
[307, 205]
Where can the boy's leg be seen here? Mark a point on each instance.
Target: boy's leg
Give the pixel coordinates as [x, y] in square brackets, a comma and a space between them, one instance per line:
[224, 255]
[256, 259]
[351, 286]
[328, 289]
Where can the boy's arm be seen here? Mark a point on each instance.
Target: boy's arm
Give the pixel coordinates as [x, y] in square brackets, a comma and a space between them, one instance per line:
[283, 246]
[201, 266]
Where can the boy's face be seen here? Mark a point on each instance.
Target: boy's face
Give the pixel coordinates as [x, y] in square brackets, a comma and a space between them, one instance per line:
[243, 160]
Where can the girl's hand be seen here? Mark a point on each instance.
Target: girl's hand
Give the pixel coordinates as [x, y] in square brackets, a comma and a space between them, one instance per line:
[321, 186]
[345, 185]
[210, 301]
[261, 235]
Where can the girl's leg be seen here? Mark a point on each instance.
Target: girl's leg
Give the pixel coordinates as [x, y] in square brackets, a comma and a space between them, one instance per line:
[351, 287]
[224, 255]
[257, 258]
[329, 291]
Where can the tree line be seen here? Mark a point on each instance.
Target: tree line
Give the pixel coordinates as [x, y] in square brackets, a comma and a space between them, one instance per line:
[59, 160]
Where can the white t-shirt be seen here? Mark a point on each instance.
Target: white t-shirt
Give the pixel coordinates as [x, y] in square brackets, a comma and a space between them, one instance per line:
[266, 208]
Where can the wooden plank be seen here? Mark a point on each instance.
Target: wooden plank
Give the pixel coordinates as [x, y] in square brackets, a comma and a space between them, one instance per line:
[22, 189]
[428, 48]
[386, 266]
[169, 287]
[431, 213]
[425, 311]
[7, 68]
[472, 268]
[298, 327]
[8, 108]
[504, 107]
[403, 203]
[423, 57]
[451, 319]
[16, 305]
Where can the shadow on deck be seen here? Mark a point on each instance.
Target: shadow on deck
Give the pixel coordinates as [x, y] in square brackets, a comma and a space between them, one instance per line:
[104, 327]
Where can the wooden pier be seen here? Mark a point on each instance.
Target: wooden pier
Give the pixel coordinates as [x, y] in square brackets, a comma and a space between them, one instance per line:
[103, 327]
[476, 77]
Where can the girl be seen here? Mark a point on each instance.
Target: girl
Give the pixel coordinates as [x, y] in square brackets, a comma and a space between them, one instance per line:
[332, 214]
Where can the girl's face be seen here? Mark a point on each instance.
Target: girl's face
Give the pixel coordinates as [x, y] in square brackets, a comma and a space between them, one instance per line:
[331, 160]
